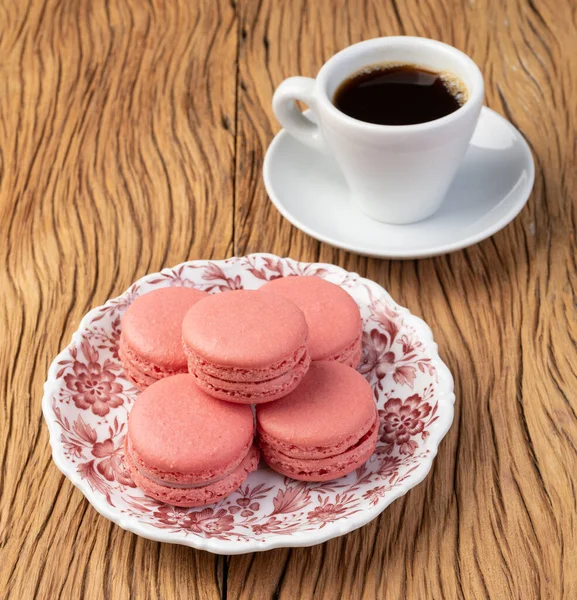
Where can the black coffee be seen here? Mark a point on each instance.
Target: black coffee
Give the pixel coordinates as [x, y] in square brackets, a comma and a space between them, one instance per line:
[399, 95]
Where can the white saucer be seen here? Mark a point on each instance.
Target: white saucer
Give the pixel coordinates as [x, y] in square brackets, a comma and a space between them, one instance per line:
[491, 187]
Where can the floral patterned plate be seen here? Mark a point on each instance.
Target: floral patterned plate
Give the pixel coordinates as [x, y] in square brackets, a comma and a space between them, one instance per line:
[87, 400]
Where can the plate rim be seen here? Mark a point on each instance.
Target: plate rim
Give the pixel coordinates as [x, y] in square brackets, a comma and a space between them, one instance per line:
[335, 529]
[439, 250]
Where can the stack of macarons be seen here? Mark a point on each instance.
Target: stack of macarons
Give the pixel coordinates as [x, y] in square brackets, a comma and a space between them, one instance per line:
[201, 360]
[186, 448]
[246, 346]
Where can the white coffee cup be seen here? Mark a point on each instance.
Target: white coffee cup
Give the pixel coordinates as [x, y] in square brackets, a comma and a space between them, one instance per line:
[396, 173]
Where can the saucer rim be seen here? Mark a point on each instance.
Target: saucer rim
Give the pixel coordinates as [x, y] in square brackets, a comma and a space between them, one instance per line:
[523, 196]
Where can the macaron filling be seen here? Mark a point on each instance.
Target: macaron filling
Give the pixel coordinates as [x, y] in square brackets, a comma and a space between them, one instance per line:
[240, 374]
[144, 366]
[316, 452]
[184, 485]
[326, 468]
[139, 379]
[199, 495]
[141, 372]
[257, 385]
[179, 479]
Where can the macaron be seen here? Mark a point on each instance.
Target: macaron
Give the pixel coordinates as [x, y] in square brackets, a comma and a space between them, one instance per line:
[333, 317]
[186, 448]
[324, 429]
[247, 347]
[151, 338]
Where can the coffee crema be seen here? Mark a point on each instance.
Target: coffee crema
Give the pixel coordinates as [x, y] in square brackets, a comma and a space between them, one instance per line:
[399, 94]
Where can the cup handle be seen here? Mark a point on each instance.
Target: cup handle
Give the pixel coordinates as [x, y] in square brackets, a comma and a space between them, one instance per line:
[290, 117]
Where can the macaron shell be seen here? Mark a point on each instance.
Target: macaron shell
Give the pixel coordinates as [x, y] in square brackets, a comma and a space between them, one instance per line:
[197, 496]
[244, 375]
[180, 432]
[351, 355]
[152, 326]
[332, 404]
[238, 388]
[332, 315]
[244, 328]
[140, 380]
[318, 452]
[141, 372]
[177, 478]
[328, 468]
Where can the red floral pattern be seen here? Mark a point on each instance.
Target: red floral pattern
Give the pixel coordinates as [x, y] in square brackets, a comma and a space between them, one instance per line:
[402, 420]
[172, 516]
[327, 511]
[207, 521]
[87, 401]
[93, 387]
[112, 467]
[293, 497]
[375, 494]
[384, 355]
[389, 467]
[106, 339]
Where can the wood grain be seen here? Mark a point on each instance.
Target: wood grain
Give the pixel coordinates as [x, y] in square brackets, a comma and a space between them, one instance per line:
[132, 136]
[117, 157]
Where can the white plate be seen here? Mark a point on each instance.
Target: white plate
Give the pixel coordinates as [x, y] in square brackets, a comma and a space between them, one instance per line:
[491, 187]
[87, 400]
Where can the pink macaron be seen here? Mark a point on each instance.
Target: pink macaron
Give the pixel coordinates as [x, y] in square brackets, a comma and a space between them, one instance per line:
[333, 317]
[246, 347]
[325, 429]
[151, 338]
[187, 448]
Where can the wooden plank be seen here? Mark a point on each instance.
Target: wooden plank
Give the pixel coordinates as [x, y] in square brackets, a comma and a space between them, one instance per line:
[495, 518]
[116, 159]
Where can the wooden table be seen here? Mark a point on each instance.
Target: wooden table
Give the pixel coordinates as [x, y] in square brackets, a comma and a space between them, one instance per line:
[132, 135]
